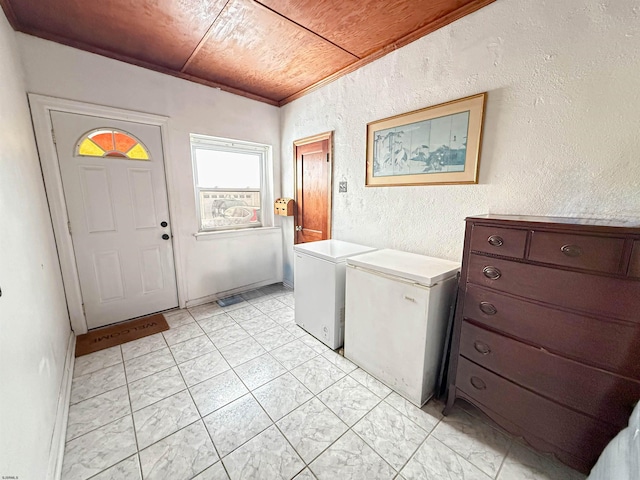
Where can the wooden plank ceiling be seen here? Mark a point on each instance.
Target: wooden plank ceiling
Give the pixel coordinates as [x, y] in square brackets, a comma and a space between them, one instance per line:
[270, 50]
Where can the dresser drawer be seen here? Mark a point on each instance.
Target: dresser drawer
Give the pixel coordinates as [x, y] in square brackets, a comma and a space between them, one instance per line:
[601, 296]
[613, 346]
[585, 252]
[592, 391]
[508, 242]
[634, 264]
[567, 429]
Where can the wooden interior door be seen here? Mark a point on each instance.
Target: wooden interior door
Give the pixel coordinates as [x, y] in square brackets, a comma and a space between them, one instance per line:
[313, 189]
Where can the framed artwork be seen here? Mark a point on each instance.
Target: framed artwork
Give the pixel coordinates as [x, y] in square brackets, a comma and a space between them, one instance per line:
[434, 145]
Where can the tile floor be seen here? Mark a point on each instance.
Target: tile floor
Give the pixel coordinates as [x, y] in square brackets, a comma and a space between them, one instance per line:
[242, 393]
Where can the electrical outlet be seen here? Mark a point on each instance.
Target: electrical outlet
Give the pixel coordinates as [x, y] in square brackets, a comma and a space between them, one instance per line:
[342, 187]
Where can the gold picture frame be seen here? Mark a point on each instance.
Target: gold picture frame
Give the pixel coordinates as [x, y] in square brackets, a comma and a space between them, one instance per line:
[432, 146]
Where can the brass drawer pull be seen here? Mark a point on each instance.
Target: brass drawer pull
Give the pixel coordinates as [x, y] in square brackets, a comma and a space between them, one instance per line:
[491, 273]
[488, 308]
[495, 240]
[482, 348]
[478, 383]
[571, 250]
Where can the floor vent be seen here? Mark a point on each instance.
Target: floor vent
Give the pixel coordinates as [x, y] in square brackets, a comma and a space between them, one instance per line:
[233, 299]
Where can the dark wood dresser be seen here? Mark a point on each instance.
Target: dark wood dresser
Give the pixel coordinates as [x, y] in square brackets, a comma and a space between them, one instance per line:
[546, 339]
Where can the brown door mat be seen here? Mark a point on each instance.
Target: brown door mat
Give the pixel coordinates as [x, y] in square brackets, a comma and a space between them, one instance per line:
[119, 333]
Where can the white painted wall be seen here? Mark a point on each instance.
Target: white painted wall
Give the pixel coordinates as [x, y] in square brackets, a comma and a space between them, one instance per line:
[561, 128]
[34, 325]
[217, 264]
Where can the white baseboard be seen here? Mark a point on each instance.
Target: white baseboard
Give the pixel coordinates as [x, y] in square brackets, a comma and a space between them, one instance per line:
[56, 453]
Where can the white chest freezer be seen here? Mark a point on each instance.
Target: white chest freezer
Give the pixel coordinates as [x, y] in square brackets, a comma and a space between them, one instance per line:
[397, 309]
[319, 277]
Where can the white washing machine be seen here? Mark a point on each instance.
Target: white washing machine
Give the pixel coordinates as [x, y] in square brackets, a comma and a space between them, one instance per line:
[319, 278]
[397, 311]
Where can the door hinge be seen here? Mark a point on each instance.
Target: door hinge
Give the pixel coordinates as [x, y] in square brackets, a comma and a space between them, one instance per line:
[327, 157]
[69, 227]
[53, 135]
[84, 312]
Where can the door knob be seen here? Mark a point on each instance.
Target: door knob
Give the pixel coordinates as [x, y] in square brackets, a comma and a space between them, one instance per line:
[163, 224]
[165, 236]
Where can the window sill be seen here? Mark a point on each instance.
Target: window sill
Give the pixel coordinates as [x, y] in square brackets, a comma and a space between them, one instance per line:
[244, 232]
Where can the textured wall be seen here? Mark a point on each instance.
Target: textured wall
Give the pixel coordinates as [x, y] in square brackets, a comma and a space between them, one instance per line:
[216, 264]
[561, 126]
[34, 324]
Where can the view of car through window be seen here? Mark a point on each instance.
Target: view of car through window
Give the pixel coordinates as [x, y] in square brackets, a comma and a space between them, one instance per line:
[229, 185]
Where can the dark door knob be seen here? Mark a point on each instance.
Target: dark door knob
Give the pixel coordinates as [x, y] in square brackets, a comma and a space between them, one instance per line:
[165, 236]
[163, 224]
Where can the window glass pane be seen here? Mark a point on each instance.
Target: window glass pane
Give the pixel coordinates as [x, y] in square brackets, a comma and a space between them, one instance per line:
[221, 210]
[138, 153]
[123, 142]
[90, 149]
[112, 144]
[103, 139]
[221, 169]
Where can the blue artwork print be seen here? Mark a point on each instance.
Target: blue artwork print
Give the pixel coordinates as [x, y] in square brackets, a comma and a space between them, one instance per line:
[438, 145]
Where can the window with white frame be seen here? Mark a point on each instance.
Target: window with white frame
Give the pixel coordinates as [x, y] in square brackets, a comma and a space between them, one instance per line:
[232, 183]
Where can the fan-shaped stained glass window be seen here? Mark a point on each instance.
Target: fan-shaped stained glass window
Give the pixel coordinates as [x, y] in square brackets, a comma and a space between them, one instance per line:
[111, 143]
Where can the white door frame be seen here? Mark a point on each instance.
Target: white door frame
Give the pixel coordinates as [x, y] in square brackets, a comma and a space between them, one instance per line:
[41, 106]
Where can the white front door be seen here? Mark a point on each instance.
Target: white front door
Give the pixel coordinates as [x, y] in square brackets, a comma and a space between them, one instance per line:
[119, 218]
